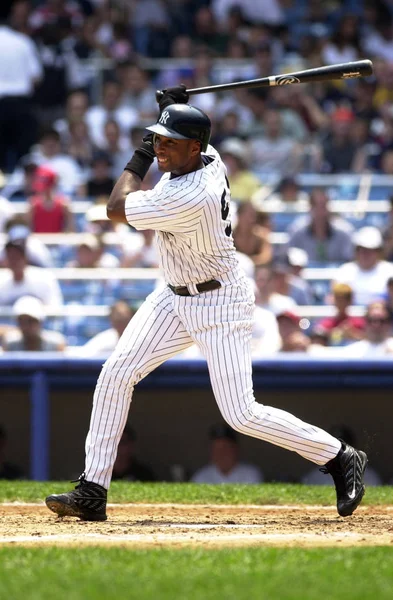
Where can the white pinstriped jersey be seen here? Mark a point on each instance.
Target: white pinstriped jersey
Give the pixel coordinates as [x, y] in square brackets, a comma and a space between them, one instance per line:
[190, 214]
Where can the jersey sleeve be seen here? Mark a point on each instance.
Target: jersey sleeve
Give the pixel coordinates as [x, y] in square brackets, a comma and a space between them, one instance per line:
[170, 208]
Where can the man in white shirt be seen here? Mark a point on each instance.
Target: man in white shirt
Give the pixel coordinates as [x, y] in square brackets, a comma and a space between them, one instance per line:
[20, 71]
[224, 466]
[110, 109]
[368, 273]
[21, 279]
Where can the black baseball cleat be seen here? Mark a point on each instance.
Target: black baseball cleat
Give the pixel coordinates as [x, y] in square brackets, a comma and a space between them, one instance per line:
[347, 470]
[87, 501]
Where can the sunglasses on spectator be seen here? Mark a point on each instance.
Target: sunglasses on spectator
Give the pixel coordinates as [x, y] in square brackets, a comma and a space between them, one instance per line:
[379, 320]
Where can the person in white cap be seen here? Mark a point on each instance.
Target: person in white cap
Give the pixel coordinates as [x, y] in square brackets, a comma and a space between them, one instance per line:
[30, 335]
[368, 273]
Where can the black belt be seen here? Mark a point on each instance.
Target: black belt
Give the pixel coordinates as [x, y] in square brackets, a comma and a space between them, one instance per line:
[206, 286]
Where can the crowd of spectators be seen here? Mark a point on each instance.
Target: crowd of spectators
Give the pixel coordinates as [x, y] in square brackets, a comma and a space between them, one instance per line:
[77, 87]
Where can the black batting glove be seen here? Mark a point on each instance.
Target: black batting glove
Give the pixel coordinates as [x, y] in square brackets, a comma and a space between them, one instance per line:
[173, 95]
[142, 158]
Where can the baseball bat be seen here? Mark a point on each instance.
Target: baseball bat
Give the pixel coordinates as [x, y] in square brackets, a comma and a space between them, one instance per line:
[348, 70]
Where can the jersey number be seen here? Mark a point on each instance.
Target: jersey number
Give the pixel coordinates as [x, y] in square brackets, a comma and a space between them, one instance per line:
[225, 211]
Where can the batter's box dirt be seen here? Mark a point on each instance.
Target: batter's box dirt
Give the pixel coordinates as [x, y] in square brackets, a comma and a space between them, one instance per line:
[143, 525]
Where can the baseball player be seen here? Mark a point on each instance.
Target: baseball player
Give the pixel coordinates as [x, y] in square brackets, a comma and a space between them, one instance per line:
[206, 300]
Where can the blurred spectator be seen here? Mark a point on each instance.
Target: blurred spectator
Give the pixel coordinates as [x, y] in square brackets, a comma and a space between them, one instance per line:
[342, 328]
[140, 250]
[62, 70]
[127, 466]
[249, 237]
[97, 219]
[387, 233]
[116, 146]
[274, 152]
[52, 10]
[284, 283]
[368, 273]
[293, 339]
[225, 465]
[378, 340]
[265, 294]
[324, 240]
[389, 296]
[100, 182]
[18, 186]
[49, 153]
[344, 44]
[75, 111]
[20, 72]
[37, 254]
[8, 470]
[339, 150]
[110, 109]
[79, 146]
[318, 477]
[137, 91]
[243, 183]
[30, 335]
[150, 28]
[105, 341]
[6, 212]
[288, 197]
[265, 340]
[20, 279]
[91, 254]
[297, 260]
[49, 211]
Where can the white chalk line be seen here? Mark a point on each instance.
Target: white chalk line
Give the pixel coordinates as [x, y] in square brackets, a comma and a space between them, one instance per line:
[160, 536]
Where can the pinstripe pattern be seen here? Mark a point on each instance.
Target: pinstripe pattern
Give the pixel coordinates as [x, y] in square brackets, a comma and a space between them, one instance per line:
[190, 218]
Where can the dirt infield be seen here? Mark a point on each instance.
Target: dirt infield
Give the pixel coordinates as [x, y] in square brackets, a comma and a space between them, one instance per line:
[143, 525]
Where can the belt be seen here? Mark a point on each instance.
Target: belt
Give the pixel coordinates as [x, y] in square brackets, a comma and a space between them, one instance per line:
[206, 286]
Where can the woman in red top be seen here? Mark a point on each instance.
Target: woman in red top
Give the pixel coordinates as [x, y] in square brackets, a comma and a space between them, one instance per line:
[49, 212]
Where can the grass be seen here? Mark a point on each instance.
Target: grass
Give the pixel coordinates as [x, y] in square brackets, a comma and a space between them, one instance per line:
[191, 493]
[261, 573]
[167, 574]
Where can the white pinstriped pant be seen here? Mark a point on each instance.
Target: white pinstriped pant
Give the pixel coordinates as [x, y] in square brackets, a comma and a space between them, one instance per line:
[220, 322]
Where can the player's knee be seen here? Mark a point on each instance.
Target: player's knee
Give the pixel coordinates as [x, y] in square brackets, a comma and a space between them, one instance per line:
[238, 422]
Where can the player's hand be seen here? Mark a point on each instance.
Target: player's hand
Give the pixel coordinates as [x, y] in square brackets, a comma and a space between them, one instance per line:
[147, 147]
[173, 95]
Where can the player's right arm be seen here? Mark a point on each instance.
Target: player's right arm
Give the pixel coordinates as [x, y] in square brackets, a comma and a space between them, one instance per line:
[130, 180]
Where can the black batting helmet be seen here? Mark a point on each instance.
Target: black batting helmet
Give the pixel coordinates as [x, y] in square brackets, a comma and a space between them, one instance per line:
[183, 122]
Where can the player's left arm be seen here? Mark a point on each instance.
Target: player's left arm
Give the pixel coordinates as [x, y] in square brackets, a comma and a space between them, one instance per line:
[130, 180]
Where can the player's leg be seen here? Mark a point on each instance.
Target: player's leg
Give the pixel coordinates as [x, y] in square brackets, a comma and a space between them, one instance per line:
[223, 332]
[153, 335]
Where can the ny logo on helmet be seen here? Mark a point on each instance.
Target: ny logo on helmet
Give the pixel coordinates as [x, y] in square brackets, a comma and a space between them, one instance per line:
[164, 117]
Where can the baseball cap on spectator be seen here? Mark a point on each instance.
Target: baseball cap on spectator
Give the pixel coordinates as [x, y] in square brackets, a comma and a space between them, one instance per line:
[343, 114]
[101, 156]
[44, 179]
[236, 148]
[17, 237]
[29, 306]
[89, 241]
[368, 237]
[222, 431]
